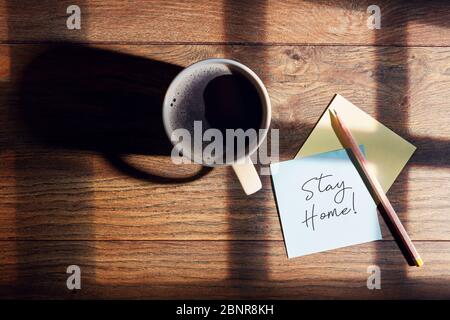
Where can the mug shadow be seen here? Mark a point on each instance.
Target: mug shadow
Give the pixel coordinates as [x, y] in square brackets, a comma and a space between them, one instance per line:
[71, 104]
[81, 98]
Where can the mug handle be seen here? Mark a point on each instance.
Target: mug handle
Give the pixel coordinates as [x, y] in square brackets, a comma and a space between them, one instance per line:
[248, 177]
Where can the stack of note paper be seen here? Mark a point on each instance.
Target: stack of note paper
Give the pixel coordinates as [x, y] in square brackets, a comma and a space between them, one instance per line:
[322, 200]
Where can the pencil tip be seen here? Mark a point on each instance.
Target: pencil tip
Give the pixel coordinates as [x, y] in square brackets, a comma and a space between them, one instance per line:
[419, 262]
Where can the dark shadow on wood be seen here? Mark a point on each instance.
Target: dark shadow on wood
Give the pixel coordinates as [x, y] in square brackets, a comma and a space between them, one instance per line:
[248, 20]
[392, 104]
[74, 97]
[38, 194]
[70, 102]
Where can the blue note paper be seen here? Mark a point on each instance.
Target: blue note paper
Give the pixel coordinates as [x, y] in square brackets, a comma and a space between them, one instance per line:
[323, 203]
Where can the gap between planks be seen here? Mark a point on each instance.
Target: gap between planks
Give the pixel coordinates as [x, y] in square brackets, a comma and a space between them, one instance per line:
[248, 44]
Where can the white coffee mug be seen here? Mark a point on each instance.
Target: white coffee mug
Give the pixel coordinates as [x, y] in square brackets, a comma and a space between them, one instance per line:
[243, 167]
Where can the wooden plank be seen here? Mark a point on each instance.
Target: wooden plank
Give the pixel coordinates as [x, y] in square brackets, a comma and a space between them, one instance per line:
[216, 269]
[414, 23]
[75, 167]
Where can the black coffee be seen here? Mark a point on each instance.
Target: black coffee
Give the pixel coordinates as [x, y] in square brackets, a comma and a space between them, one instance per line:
[217, 96]
[232, 102]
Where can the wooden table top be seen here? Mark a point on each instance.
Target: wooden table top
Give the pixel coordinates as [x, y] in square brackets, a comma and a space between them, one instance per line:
[85, 176]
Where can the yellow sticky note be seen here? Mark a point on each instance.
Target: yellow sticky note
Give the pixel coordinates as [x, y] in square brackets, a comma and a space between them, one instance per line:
[386, 151]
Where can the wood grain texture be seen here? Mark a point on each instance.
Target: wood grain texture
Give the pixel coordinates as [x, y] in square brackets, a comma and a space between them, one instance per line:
[216, 269]
[226, 21]
[85, 176]
[67, 159]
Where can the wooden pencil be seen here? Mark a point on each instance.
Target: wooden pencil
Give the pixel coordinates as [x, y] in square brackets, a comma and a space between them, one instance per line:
[384, 205]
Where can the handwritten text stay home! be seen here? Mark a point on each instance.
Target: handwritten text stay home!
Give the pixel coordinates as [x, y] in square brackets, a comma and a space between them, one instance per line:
[325, 184]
